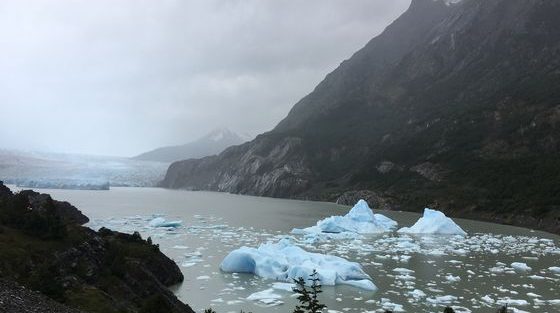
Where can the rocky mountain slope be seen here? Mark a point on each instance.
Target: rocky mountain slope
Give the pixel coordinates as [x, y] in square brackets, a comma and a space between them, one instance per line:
[213, 143]
[454, 105]
[44, 248]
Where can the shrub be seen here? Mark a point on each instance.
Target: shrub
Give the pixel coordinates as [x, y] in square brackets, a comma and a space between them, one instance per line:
[308, 298]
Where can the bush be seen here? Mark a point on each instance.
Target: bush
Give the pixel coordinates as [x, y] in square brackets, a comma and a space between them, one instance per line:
[308, 298]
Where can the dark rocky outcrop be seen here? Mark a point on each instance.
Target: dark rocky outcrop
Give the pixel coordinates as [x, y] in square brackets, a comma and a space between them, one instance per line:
[69, 213]
[44, 248]
[456, 106]
[17, 299]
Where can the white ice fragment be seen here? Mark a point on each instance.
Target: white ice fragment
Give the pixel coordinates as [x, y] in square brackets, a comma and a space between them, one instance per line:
[284, 261]
[508, 301]
[283, 286]
[452, 279]
[521, 267]
[417, 293]
[267, 297]
[161, 222]
[488, 299]
[442, 299]
[434, 222]
[554, 269]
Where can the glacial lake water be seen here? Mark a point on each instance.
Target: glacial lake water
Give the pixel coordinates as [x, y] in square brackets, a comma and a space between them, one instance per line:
[413, 273]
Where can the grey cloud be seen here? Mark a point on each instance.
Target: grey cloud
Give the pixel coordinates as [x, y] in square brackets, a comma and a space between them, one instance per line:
[121, 77]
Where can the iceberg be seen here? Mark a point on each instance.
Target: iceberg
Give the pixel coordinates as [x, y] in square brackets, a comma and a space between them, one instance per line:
[434, 222]
[284, 261]
[360, 220]
[161, 222]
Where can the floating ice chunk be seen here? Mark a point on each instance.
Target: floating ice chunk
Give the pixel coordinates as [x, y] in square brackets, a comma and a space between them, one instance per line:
[283, 286]
[417, 293]
[360, 220]
[161, 222]
[554, 269]
[442, 299]
[537, 277]
[284, 261]
[488, 299]
[204, 277]
[521, 267]
[391, 306]
[509, 301]
[434, 222]
[267, 297]
[403, 270]
[452, 279]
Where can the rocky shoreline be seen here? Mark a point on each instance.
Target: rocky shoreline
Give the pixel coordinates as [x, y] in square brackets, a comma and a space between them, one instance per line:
[44, 248]
[17, 299]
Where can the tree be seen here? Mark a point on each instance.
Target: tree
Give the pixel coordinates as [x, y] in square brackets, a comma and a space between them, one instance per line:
[308, 298]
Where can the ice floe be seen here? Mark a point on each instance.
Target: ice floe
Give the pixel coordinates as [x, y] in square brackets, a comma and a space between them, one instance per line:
[521, 267]
[285, 261]
[266, 297]
[434, 222]
[162, 222]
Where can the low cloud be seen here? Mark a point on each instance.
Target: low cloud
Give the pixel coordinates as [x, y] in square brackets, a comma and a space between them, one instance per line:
[121, 77]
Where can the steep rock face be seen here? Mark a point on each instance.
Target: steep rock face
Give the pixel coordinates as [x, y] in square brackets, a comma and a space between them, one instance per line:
[454, 105]
[268, 165]
[256, 168]
[69, 213]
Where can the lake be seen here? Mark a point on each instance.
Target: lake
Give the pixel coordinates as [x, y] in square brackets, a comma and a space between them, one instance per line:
[413, 273]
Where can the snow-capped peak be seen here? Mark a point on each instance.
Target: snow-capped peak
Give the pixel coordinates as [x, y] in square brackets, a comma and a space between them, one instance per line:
[221, 133]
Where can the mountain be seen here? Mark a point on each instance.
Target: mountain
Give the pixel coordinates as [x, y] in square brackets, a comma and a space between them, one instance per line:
[212, 143]
[456, 105]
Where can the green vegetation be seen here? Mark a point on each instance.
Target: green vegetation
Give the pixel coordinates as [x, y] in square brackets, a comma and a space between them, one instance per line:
[308, 297]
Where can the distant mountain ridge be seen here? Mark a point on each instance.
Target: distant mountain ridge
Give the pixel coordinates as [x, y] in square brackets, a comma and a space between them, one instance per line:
[212, 143]
[454, 106]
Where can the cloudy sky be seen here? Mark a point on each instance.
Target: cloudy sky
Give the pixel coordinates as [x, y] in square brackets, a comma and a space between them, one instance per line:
[118, 77]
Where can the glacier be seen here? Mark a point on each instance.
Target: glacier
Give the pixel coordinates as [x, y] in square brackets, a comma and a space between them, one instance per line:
[284, 261]
[434, 222]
